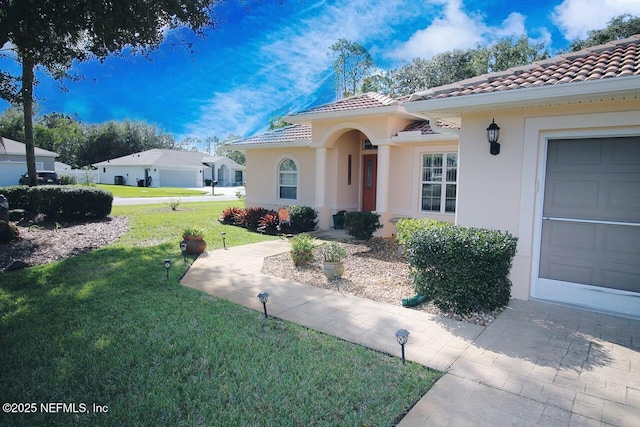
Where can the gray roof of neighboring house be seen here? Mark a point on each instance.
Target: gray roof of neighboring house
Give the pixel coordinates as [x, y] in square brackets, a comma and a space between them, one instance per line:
[15, 148]
[165, 157]
[616, 59]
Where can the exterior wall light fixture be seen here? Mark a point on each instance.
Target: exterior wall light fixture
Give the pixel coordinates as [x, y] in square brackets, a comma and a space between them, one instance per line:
[493, 133]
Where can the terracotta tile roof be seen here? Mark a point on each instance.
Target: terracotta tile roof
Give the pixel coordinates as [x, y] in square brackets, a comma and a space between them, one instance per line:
[423, 126]
[358, 102]
[289, 133]
[615, 59]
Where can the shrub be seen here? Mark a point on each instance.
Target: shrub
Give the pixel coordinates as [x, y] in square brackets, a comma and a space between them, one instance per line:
[269, 223]
[303, 218]
[361, 225]
[252, 216]
[8, 232]
[407, 227]
[67, 180]
[232, 216]
[333, 252]
[18, 196]
[60, 202]
[462, 269]
[302, 247]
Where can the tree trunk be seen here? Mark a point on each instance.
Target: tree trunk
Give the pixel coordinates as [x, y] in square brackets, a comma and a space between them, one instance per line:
[27, 106]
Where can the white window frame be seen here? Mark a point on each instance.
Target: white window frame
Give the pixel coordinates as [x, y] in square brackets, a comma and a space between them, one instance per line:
[278, 179]
[443, 182]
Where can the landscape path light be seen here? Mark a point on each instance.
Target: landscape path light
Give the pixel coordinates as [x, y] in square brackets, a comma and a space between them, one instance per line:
[183, 249]
[224, 239]
[402, 335]
[263, 297]
[167, 266]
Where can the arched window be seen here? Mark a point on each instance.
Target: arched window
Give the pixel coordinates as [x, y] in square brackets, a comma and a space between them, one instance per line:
[288, 180]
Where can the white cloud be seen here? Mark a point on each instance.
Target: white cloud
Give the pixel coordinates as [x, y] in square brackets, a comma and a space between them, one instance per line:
[454, 28]
[576, 17]
[290, 63]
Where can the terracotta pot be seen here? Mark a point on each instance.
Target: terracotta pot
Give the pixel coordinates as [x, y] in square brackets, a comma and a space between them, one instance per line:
[195, 244]
[333, 270]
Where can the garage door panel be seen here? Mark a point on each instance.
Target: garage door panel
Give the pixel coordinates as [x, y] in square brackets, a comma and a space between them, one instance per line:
[624, 199]
[591, 217]
[588, 153]
[567, 195]
[567, 237]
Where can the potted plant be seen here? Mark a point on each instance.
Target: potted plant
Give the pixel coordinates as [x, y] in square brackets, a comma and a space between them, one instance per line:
[333, 266]
[193, 237]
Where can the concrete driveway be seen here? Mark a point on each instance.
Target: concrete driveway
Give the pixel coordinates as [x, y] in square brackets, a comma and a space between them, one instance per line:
[221, 194]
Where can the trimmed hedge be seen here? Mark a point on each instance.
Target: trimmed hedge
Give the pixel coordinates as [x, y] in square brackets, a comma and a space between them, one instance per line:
[303, 218]
[60, 202]
[461, 269]
[361, 225]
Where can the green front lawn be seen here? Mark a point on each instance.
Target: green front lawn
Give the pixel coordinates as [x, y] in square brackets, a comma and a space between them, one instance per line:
[107, 328]
[129, 191]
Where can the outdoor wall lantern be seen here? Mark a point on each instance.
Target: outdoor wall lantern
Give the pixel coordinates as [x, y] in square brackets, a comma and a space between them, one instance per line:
[402, 335]
[224, 239]
[167, 266]
[183, 249]
[263, 297]
[493, 133]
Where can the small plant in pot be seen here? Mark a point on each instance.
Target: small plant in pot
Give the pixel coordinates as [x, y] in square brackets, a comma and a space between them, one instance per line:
[333, 266]
[194, 238]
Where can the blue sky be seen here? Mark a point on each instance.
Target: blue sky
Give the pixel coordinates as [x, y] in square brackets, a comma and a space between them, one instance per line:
[266, 58]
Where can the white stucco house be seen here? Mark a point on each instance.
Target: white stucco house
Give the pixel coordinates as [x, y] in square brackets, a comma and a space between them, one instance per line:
[566, 180]
[170, 168]
[13, 161]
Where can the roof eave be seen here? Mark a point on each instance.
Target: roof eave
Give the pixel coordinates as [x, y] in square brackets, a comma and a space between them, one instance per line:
[437, 137]
[341, 114]
[267, 145]
[570, 93]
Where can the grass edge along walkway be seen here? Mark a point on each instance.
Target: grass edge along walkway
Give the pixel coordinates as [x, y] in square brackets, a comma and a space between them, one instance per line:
[107, 328]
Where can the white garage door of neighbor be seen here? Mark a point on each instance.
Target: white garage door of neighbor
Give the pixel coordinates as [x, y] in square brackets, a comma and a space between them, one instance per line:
[10, 172]
[178, 178]
[590, 242]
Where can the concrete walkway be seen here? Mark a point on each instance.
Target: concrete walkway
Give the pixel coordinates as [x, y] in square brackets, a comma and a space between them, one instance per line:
[537, 364]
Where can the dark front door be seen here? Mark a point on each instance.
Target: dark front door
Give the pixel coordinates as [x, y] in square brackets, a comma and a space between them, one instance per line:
[369, 180]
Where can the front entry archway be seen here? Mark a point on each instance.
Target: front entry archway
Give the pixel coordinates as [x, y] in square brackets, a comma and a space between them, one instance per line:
[369, 181]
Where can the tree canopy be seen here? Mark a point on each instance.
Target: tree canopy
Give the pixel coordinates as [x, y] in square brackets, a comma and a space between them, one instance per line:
[452, 66]
[351, 64]
[618, 28]
[80, 144]
[53, 33]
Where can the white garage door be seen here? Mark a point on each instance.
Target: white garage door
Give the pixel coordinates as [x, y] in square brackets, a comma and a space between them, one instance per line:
[10, 172]
[590, 243]
[178, 178]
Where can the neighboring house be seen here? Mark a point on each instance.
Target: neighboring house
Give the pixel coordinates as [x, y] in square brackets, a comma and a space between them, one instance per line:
[566, 181]
[228, 173]
[13, 161]
[169, 168]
